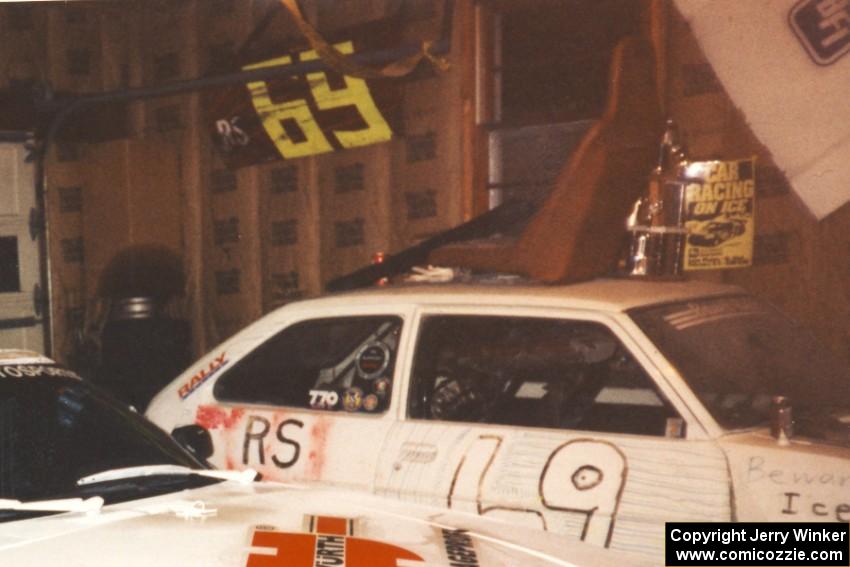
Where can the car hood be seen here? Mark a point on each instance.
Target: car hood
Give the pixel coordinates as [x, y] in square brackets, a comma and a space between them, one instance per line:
[270, 525]
[801, 480]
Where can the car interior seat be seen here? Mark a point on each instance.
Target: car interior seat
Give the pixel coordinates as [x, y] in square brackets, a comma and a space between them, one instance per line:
[579, 230]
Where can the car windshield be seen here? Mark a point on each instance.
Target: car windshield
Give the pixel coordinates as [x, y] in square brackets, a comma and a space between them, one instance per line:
[736, 353]
[56, 429]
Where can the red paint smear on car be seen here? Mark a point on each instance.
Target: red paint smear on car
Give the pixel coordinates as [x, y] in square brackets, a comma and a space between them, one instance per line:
[210, 417]
[318, 441]
[214, 417]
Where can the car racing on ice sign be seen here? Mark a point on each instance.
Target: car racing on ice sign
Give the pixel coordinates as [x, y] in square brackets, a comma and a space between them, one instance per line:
[719, 201]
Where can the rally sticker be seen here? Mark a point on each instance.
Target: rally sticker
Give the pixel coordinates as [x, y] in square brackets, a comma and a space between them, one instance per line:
[330, 542]
[202, 376]
[323, 399]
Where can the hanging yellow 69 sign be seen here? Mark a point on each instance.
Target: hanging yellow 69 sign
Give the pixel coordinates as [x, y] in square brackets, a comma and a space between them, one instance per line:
[325, 117]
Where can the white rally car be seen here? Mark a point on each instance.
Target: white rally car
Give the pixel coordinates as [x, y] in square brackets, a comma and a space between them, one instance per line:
[84, 481]
[599, 410]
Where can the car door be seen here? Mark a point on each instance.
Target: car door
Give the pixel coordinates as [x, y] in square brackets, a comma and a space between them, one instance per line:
[309, 401]
[550, 419]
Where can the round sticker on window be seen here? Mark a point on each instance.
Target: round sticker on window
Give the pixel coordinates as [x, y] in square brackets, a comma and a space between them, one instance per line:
[372, 360]
[381, 386]
[370, 402]
[352, 399]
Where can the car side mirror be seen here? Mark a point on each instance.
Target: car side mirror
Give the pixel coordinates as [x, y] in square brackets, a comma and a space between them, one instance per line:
[194, 439]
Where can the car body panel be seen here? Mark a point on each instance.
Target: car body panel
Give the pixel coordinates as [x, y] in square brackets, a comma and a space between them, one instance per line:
[801, 481]
[535, 479]
[267, 524]
[612, 489]
[147, 502]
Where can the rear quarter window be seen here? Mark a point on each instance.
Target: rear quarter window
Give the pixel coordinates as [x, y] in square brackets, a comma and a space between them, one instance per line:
[334, 364]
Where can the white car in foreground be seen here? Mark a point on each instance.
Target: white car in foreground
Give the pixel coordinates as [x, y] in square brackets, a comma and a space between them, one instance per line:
[85, 481]
[599, 410]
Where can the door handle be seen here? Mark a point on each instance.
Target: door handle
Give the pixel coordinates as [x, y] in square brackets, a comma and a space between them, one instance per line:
[411, 452]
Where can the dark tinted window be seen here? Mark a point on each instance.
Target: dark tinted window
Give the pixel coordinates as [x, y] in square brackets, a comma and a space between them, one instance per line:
[536, 373]
[342, 363]
[55, 430]
[736, 353]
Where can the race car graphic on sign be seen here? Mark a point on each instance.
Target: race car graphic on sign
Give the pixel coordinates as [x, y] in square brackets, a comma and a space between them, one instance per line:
[330, 542]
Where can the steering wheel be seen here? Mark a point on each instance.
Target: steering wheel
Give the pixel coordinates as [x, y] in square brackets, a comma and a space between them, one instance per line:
[470, 397]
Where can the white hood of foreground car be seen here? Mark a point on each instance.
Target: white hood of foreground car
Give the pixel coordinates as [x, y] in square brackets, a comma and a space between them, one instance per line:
[273, 525]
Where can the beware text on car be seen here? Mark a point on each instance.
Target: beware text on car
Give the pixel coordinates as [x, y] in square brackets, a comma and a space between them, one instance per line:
[599, 410]
[85, 481]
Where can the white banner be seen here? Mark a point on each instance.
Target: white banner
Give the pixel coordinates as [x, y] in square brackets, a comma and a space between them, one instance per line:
[786, 65]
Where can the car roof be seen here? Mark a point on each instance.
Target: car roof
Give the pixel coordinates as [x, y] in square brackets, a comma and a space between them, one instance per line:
[613, 295]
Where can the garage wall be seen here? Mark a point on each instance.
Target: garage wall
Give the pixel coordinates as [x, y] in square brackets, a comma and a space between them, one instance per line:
[250, 239]
[258, 237]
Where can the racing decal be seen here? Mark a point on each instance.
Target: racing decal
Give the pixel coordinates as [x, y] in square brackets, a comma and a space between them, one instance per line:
[323, 399]
[202, 376]
[460, 550]
[352, 399]
[256, 430]
[823, 27]
[373, 359]
[381, 386]
[719, 201]
[370, 402]
[35, 370]
[330, 542]
[278, 445]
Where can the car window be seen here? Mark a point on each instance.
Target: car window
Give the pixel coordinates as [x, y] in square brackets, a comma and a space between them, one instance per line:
[737, 352]
[335, 364]
[534, 372]
[55, 430]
